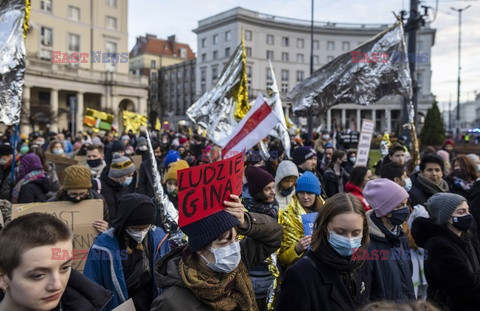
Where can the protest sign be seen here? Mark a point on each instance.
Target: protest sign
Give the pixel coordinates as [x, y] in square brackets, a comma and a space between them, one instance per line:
[81, 160]
[202, 189]
[126, 306]
[77, 216]
[364, 142]
[308, 221]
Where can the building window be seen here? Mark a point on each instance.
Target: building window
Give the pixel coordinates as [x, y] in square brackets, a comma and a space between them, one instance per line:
[269, 74]
[227, 52]
[112, 3]
[248, 35]
[46, 36]
[214, 73]
[73, 13]
[204, 42]
[111, 23]
[111, 47]
[300, 58]
[228, 36]
[45, 54]
[204, 57]
[153, 64]
[316, 59]
[316, 45]
[154, 75]
[203, 75]
[345, 46]
[284, 88]
[270, 40]
[329, 58]
[248, 51]
[285, 75]
[300, 43]
[46, 5]
[215, 55]
[285, 56]
[330, 46]
[183, 53]
[73, 42]
[215, 39]
[285, 41]
[270, 55]
[299, 75]
[249, 72]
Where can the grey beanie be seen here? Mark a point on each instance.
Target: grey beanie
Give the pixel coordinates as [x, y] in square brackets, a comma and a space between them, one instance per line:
[121, 166]
[441, 206]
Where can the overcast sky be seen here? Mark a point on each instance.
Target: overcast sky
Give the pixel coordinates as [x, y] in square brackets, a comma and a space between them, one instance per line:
[179, 17]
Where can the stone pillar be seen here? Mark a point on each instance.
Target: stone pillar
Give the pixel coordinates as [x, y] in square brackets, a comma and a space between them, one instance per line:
[374, 117]
[329, 120]
[344, 119]
[359, 119]
[54, 110]
[80, 112]
[388, 119]
[25, 128]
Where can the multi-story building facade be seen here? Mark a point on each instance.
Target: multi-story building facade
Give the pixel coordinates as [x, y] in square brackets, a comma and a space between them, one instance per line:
[77, 58]
[151, 54]
[177, 90]
[286, 42]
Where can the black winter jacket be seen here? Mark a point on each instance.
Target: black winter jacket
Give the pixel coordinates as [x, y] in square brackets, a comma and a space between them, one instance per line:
[145, 178]
[112, 191]
[35, 191]
[333, 182]
[452, 268]
[473, 199]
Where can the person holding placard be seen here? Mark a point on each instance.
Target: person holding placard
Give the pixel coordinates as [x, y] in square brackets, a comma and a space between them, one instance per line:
[306, 200]
[31, 280]
[327, 277]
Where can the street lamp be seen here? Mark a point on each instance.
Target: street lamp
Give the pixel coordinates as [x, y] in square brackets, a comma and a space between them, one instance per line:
[459, 67]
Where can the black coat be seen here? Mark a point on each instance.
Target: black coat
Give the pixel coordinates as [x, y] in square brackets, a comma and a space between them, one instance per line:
[419, 194]
[474, 204]
[452, 267]
[145, 178]
[332, 181]
[311, 285]
[392, 275]
[35, 191]
[112, 191]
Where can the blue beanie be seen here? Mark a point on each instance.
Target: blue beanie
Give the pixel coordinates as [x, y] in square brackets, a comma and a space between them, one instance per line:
[308, 182]
[172, 156]
[328, 145]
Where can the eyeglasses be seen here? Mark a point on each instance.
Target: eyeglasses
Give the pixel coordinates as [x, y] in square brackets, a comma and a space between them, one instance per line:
[82, 195]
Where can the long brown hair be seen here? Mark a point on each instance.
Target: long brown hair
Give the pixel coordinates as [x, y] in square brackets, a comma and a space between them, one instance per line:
[338, 204]
[468, 170]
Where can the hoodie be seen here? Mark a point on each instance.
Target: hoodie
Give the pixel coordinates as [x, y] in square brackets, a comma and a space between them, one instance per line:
[285, 168]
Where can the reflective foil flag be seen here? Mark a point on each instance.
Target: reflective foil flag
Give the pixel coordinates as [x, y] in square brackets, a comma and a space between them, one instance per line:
[12, 60]
[361, 76]
[220, 109]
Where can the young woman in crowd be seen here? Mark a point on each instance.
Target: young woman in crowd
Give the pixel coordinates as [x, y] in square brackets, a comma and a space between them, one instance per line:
[31, 182]
[327, 277]
[359, 177]
[463, 175]
[306, 200]
[335, 177]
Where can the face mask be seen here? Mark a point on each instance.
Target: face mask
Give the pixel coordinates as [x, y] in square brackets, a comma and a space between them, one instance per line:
[57, 151]
[398, 216]
[75, 200]
[408, 184]
[172, 191]
[128, 181]
[227, 258]
[24, 149]
[94, 162]
[353, 159]
[326, 137]
[285, 192]
[40, 142]
[343, 245]
[143, 148]
[137, 235]
[3, 162]
[417, 168]
[463, 223]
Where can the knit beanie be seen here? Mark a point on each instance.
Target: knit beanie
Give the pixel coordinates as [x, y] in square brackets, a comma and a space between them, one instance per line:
[285, 168]
[204, 231]
[125, 137]
[117, 146]
[144, 214]
[172, 156]
[29, 163]
[441, 206]
[96, 141]
[257, 179]
[174, 168]
[121, 166]
[383, 195]
[5, 149]
[308, 182]
[302, 154]
[141, 141]
[77, 177]
[182, 140]
[449, 142]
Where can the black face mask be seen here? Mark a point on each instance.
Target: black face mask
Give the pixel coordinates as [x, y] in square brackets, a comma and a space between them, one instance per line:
[398, 216]
[463, 223]
[74, 200]
[286, 192]
[94, 163]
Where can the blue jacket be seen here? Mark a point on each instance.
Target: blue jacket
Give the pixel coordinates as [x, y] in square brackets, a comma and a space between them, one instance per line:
[104, 263]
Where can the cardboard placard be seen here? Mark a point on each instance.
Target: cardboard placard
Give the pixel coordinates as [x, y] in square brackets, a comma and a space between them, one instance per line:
[79, 218]
[126, 306]
[202, 189]
[364, 143]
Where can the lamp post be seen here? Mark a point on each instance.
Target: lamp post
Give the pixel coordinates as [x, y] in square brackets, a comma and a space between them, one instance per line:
[310, 118]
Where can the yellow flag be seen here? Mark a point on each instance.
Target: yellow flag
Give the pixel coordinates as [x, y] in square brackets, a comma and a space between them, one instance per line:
[158, 125]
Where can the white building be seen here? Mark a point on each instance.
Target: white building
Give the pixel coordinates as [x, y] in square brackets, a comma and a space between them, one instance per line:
[286, 42]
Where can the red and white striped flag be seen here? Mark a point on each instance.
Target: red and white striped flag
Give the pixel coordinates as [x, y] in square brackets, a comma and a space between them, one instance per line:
[256, 125]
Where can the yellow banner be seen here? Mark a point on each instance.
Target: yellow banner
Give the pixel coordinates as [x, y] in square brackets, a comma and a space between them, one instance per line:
[133, 121]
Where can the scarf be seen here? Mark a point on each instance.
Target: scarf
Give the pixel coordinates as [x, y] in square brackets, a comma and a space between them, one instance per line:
[393, 239]
[286, 192]
[220, 291]
[430, 186]
[462, 184]
[30, 177]
[270, 209]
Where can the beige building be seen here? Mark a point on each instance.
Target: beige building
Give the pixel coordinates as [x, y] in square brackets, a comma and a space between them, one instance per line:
[77, 58]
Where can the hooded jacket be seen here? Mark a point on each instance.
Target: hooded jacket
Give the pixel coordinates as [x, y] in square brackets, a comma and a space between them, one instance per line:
[284, 170]
[262, 239]
[452, 268]
[392, 271]
[112, 191]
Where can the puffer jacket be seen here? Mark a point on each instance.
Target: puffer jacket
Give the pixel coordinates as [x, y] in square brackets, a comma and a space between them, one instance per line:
[262, 239]
[452, 268]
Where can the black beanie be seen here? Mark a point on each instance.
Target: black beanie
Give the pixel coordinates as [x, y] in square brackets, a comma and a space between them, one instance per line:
[5, 149]
[117, 146]
[134, 209]
[302, 154]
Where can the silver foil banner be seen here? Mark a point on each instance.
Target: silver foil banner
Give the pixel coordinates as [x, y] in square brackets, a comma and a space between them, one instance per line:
[347, 79]
[215, 109]
[12, 60]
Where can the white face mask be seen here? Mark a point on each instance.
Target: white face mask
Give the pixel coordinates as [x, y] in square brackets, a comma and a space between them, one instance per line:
[143, 148]
[137, 235]
[227, 258]
[408, 184]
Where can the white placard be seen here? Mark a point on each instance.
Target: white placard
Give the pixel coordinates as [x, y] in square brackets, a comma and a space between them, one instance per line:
[364, 142]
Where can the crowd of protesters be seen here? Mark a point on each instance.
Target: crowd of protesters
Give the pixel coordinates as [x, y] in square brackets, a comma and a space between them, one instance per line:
[383, 239]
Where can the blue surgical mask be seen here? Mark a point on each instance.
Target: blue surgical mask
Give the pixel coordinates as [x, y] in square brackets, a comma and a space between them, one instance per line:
[128, 181]
[408, 184]
[353, 159]
[343, 245]
[57, 151]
